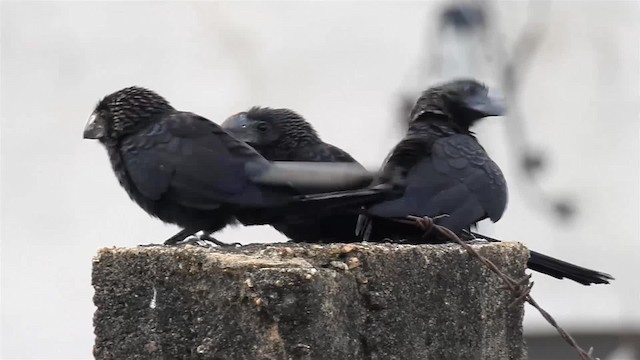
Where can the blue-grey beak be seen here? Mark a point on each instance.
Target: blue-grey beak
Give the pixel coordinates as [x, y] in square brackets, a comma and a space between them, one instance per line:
[94, 128]
[491, 104]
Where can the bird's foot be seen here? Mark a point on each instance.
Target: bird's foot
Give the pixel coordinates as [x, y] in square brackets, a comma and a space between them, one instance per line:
[211, 239]
[182, 235]
[468, 236]
[205, 241]
[196, 241]
[363, 227]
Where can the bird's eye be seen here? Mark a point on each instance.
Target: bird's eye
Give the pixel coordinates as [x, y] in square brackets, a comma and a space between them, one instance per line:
[262, 126]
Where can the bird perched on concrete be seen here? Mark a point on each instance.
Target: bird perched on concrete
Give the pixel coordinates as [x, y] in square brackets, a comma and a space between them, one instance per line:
[186, 170]
[446, 172]
[447, 175]
[284, 135]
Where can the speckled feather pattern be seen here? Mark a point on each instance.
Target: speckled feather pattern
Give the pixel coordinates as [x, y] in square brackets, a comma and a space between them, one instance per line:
[294, 130]
[157, 153]
[131, 108]
[297, 140]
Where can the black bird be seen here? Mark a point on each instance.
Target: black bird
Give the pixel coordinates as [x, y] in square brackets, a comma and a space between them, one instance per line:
[186, 170]
[446, 174]
[449, 175]
[284, 135]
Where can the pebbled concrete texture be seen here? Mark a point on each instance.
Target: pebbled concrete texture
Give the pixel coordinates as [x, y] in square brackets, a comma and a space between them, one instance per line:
[305, 301]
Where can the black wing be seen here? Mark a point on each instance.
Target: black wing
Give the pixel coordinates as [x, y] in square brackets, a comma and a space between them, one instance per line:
[325, 153]
[192, 161]
[458, 179]
[317, 152]
[462, 157]
[328, 153]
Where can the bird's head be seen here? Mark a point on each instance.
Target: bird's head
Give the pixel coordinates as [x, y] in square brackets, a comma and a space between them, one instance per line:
[462, 102]
[267, 127]
[123, 112]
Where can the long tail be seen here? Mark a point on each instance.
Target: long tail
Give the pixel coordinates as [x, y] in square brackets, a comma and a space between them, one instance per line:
[559, 269]
[303, 207]
[348, 199]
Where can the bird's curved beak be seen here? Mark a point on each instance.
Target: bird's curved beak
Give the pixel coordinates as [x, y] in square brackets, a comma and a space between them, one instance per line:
[95, 128]
[491, 104]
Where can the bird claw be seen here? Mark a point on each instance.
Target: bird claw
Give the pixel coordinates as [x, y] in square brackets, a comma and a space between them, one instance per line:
[180, 236]
[195, 241]
[205, 243]
[208, 238]
[204, 240]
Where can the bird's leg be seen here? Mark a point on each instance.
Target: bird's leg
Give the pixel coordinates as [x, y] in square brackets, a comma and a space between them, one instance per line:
[194, 241]
[361, 223]
[180, 236]
[467, 235]
[189, 237]
[206, 236]
[364, 226]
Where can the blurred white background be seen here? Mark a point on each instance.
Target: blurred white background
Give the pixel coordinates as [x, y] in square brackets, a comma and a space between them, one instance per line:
[343, 65]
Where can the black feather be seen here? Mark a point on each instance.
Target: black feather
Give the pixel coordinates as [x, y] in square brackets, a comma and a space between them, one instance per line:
[282, 134]
[183, 168]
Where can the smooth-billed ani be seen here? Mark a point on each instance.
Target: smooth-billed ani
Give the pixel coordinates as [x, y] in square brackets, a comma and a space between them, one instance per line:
[186, 170]
[284, 135]
[447, 175]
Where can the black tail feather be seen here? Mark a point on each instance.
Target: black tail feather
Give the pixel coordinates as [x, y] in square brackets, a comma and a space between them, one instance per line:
[562, 269]
[559, 269]
[315, 205]
[352, 199]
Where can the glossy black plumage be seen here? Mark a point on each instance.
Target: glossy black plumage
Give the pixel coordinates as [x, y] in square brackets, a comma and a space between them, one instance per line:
[183, 168]
[445, 172]
[284, 135]
[448, 173]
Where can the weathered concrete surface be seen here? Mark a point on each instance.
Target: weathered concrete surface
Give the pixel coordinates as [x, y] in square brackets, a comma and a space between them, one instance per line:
[292, 301]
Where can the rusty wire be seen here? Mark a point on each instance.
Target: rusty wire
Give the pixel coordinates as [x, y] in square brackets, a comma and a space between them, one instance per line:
[520, 289]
